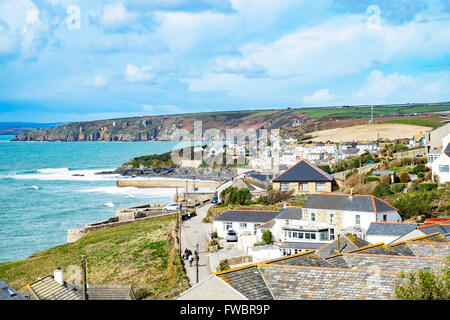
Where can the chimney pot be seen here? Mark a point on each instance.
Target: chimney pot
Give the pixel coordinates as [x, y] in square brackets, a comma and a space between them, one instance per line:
[58, 275]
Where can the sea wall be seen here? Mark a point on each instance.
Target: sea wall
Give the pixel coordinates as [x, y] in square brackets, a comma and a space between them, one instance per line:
[166, 184]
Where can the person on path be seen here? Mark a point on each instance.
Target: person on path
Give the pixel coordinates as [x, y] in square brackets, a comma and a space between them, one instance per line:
[186, 254]
[191, 258]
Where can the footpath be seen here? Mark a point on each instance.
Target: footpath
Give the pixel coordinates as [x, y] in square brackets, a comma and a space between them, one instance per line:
[193, 232]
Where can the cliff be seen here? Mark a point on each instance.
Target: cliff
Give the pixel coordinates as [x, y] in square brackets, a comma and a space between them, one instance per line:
[291, 121]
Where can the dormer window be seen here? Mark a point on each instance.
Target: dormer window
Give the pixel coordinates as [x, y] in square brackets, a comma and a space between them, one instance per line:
[313, 216]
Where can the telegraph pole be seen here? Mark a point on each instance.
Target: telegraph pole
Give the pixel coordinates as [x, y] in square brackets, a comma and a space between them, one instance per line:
[197, 258]
[83, 267]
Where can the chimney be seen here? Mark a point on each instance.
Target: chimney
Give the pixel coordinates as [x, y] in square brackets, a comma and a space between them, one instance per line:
[58, 275]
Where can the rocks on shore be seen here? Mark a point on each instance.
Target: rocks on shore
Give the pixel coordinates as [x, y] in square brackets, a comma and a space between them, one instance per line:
[201, 173]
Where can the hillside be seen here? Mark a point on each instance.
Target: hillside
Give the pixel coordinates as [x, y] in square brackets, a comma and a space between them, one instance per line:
[141, 254]
[162, 127]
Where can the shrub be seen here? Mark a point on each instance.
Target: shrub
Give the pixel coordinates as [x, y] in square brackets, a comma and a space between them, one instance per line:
[413, 187]
[382, 189]
[385, 178]
[234, 195]
[267, 236]
[352, 181]
[366, 188]
[243, 196]
[406, 162]
[404, 177]
[369, 179]
[412, 205]
[223, 265]
[397, 187]
[427, 176]
[427, 186]
[419, 168]
[395, 163]
[275, 196]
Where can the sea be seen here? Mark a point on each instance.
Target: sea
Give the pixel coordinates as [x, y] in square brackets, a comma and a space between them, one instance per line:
[47, 188]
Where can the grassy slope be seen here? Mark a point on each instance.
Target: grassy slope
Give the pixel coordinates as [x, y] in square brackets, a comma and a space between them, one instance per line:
[141, 254]
[417, 122]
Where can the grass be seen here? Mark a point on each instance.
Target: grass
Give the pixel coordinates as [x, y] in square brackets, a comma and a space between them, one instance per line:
[217, 210]
[142, 254]
[417, 122]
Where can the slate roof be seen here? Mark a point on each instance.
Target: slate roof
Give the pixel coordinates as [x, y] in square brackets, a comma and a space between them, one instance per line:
[347, 242]
[301, 245]
[248, 281]
[363, 203]
[110, 292]
[291, 213]
[433, 237]
[303, 171]
[247, 216]
[308, 258]
[379, 248]
[402, 249]
[447, 150]
[337, 261]
[9, 293]
[48, 289]
[443, 229]
[390, 228]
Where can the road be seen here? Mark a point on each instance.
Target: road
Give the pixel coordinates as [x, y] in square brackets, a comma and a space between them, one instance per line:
[193, 231]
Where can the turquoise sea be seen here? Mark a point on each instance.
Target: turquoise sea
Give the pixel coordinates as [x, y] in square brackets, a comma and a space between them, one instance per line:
[40, 199]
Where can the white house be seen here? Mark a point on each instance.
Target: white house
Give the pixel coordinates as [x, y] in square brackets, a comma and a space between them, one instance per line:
[242, 221]
[388, 232]
[441, 165]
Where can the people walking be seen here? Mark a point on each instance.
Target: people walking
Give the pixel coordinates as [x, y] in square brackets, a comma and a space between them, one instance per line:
[190, 258]
[186, 254]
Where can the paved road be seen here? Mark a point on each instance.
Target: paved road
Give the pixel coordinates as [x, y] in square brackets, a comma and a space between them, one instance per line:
[193, 231]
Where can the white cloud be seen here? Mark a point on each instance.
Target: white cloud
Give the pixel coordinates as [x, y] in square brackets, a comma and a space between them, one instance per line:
[116, 15]
[20, 27]
[398, 88]
[136, 74]
[97, 81]
[319, 97]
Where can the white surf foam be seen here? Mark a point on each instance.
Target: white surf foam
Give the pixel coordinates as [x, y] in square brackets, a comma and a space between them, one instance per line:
[132, 192]
[64, 174]
[34, 187]
[109, 204]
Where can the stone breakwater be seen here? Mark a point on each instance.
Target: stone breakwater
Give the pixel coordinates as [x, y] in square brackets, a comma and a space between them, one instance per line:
[210, 174]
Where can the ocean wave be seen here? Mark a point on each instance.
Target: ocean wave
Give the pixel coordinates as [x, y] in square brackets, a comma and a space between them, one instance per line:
[33, 187]
[65, 174]
[53, 170]
[133, 192]
[109, 204]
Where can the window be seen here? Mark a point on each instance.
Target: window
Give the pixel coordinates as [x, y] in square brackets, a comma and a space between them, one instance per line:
[443, 168]
[242, 225]
[358, 219]
[286, 222]
[313, 216]
[303, 186]
[324, 236]
[300, 235]
[307, 235]
[331, 217]
[256, 226]
[313, 236]
[320, 186]
[284, 186]
[227, 225]
[384, 217]
[331, 234]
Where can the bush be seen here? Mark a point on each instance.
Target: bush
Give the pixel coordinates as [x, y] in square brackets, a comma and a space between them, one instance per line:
[385, 178]
[267, 236]
[369, 179]
[275, 196]
[395, 163]
[398, 187]
[427, 176]
[404, 177]
[234, 195]
[412, 205]
[427, 186]
[382, 189]
[244, 196]
[406, 162]
[413, 187]
[352, 181]
[419, 168]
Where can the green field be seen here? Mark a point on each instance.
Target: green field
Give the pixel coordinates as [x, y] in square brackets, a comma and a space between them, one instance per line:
[142, 254]
[417, 122]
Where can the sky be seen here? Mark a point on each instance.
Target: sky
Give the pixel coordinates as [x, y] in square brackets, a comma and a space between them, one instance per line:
[81, 60]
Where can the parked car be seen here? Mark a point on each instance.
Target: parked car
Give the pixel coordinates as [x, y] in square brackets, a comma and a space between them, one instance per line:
[215, 200]
[231, 235]
[172, 207]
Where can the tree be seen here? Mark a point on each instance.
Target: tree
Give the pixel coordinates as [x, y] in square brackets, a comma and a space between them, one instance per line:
[425, 285]
[382, 189]
[267, 236]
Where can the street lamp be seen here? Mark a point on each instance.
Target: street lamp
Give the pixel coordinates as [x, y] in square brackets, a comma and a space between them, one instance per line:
[197, 258]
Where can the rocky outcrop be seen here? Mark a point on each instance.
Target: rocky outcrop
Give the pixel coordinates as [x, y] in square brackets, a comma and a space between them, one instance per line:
[174, 171]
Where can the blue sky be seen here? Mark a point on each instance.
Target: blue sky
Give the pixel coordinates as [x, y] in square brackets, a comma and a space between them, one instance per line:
[76, 60]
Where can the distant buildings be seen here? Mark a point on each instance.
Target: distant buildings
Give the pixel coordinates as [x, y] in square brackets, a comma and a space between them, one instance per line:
[441, 165]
